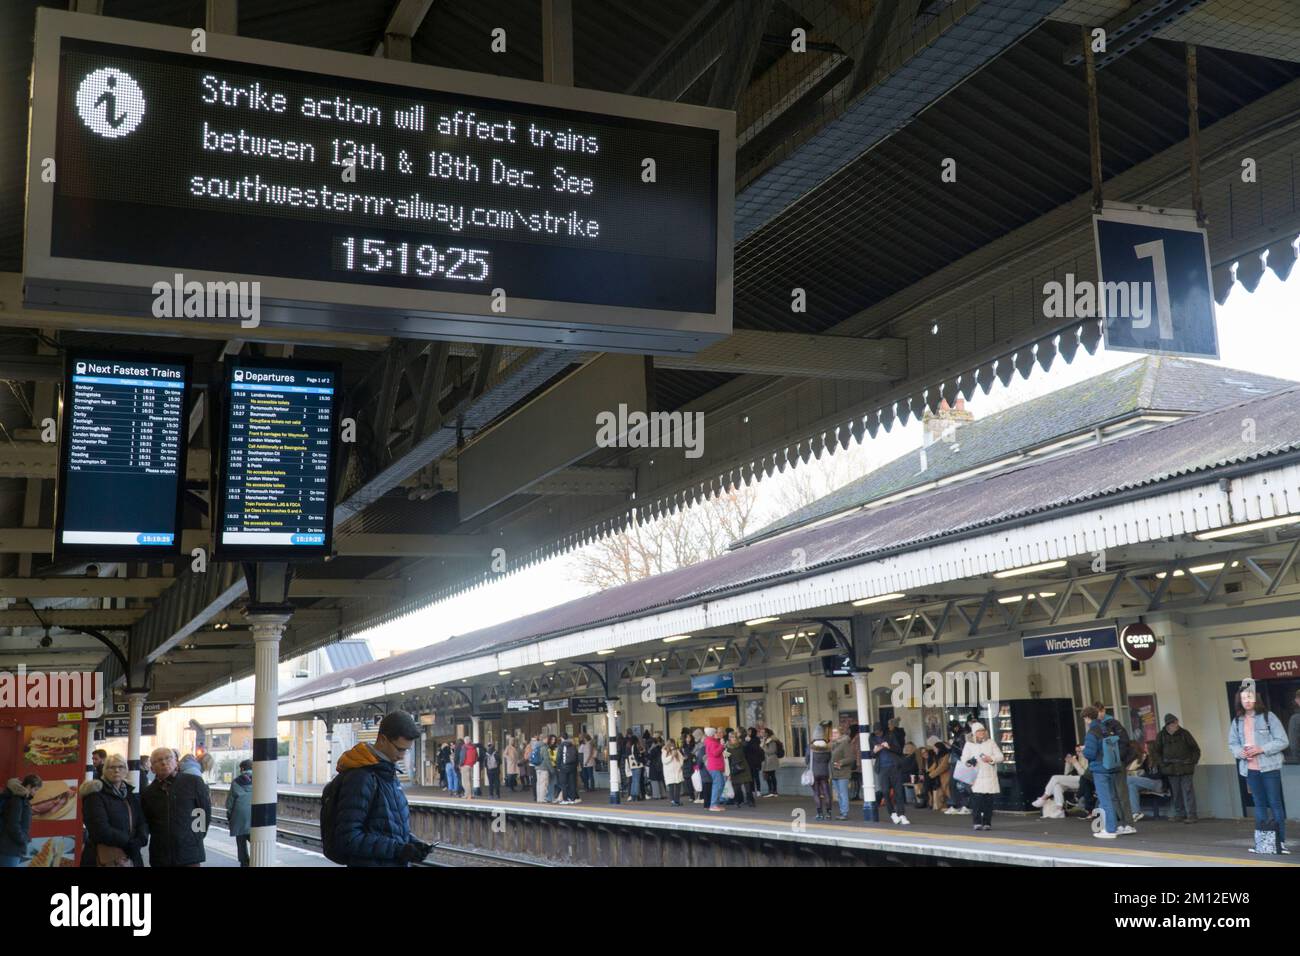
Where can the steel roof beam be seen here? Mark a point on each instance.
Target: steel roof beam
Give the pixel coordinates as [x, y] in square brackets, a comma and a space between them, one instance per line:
[41, 541]
[793, 354]
[693, 45]
[402, 25]
[1139, 23]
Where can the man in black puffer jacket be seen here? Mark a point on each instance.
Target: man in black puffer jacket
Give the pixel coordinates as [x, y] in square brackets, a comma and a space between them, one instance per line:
[372, 823]
[178, 809]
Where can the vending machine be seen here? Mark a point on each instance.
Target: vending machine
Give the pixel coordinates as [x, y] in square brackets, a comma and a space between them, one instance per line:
[1035, 736]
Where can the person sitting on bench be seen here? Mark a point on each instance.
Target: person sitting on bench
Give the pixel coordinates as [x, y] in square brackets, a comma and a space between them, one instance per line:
[1075, 766]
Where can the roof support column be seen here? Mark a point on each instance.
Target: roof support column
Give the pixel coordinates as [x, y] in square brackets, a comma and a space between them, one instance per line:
[475, 726]
[134, 710]
[861, 635]
[864, 742]
[268, 628]
[611, 717]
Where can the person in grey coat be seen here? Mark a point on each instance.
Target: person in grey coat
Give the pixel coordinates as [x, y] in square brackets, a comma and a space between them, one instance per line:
[239, 809]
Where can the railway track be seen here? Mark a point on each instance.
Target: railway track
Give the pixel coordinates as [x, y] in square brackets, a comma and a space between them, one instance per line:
[306, 833]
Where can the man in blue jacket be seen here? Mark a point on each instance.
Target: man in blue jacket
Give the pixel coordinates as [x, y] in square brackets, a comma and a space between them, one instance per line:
[1102, 779]
[372, 824]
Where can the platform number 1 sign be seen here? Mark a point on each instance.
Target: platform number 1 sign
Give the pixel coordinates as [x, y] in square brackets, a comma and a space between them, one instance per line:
[1154, 292]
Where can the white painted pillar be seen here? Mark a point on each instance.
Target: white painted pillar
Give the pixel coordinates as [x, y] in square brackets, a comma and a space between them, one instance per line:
[135, 711]
[474, 734]
[90, 743]
[864, 744]
[329, 752]
[611, 714]
[267, 631]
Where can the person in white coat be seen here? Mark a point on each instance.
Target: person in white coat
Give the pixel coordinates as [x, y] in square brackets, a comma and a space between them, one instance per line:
[672, 758]
[986, 755]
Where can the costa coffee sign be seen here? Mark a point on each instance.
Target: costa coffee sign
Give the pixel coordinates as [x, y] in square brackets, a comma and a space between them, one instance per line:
[1138, 642]
[1272, 668]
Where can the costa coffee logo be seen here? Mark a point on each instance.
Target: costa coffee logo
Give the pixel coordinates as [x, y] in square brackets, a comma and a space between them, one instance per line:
[1138, 642]
[1273, 668]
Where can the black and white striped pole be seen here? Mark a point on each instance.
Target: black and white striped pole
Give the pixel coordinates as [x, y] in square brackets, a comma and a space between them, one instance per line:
[268, 612]
[134, 717]
[267, 631]
[611, 713]
[475, 788]
[864, 748]
[90, 741]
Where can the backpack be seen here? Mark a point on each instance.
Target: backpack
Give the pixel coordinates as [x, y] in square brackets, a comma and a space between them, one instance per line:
[329, 812]
[535, 756]
[1127, 751]
[490, 760]
[780, 750]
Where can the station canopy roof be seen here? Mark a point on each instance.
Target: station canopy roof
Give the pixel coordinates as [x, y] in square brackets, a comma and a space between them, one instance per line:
[1037, 489]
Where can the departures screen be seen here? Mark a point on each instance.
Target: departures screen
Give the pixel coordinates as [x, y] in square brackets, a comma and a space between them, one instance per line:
[277, 461]
[122, 455]
[182, 161]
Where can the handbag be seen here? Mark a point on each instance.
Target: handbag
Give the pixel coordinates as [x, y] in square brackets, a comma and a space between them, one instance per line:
[807, 777]
[728, 791]
[696, 780]
[966, 774]
[115, 855]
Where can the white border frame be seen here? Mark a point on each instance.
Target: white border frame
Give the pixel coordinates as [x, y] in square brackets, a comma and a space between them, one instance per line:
[532, 319]
[1156, 218]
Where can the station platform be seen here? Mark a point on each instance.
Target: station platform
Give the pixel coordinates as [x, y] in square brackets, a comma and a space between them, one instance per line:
[1016, 839]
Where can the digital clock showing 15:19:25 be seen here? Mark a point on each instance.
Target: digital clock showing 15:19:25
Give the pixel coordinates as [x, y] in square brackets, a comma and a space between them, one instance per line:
[379, 256]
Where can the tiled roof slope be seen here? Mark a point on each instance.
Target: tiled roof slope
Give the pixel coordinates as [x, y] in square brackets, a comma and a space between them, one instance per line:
[1006, 497]
[1155, 384]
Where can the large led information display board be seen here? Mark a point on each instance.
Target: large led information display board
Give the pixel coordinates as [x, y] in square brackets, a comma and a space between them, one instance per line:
[122, 441]
[276, 463]
[373, 195]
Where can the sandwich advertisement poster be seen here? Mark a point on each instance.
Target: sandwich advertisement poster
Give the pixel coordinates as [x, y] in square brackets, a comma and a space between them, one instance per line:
[51, 744]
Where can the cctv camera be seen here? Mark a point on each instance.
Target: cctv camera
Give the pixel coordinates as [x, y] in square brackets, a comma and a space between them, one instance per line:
[46, 641]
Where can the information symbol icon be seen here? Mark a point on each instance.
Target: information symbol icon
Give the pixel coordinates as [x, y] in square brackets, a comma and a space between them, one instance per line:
[110, 102]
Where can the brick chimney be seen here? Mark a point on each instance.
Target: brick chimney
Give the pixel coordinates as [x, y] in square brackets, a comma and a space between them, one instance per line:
[946, 421]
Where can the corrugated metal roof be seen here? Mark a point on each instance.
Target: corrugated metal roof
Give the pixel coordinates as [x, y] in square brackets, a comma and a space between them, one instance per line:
[1202, 443]
[1153, 384]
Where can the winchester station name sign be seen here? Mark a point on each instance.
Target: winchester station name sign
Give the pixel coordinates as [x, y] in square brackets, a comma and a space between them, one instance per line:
[370, 195]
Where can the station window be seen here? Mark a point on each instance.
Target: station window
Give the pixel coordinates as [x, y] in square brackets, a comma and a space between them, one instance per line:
[794, 705]
[1104, 681]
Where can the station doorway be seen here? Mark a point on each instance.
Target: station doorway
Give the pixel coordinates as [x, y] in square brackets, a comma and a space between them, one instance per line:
[724, 712]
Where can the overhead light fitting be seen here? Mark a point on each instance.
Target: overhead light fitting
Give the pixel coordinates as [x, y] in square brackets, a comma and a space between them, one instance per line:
[1030, 569]
[1246, 528]
[548, 663]
[1199, 569]
[608, 650]
[761, 620]
[878, 599]
[502, 673]
[677, 637]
